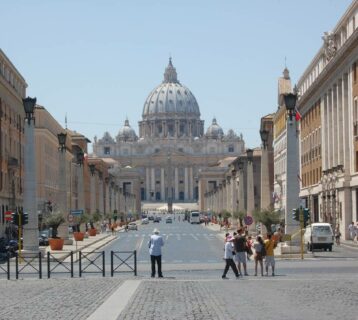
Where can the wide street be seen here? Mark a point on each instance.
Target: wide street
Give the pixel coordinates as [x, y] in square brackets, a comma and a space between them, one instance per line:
[322, 285]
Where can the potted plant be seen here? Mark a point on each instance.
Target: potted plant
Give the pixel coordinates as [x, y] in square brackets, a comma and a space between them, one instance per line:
[54, 221]
[79, 235]
[95, 218]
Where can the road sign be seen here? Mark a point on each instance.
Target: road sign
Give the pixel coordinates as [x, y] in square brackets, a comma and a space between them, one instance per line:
[70, 218]
[8, 215]
[76, 212]
[248, 220]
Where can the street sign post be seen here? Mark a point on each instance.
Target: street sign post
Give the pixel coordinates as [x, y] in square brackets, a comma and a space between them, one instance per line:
[76, 212]
[248, 220]
[8, 216]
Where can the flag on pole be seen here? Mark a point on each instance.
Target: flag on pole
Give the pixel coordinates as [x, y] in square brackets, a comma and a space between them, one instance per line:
[297, 115]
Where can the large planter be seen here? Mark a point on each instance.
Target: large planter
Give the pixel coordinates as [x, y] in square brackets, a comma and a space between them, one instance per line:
[56, 243]
[92, 232]
[78, 236]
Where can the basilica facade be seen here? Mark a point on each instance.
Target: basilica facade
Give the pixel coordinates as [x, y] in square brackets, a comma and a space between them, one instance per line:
[172, 145]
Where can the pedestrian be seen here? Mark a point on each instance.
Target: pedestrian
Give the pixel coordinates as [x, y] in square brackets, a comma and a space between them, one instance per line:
[240, 251]
[270, 245]
[228, 257]
[351, 230]
[337, 235]
[249, 244]
[356, 231]
[227, 234]
[258, 257]
[155, 245]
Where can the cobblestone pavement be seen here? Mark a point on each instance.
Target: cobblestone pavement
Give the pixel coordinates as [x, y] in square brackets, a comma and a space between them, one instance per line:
[54, 298]
[256, 298]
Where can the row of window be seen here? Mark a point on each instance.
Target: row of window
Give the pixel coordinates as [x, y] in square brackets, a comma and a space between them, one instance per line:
[12, 79]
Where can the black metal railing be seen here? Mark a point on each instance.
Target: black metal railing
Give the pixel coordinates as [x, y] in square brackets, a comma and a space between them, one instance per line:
[5, 267]
[120, 259]
[58, 263]
[27, 262]
[90, 262]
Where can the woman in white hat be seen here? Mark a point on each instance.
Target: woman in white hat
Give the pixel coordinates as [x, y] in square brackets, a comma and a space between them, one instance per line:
[228, 256]
[155, 250]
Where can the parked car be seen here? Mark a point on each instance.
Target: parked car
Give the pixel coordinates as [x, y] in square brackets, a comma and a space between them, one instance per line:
[132, 226]
[145, 221]
[43, 240]
[156, 219]
[169, 220]
[319, 236]
[151, 218]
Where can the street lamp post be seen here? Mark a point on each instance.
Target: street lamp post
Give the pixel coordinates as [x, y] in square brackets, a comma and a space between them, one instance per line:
[31, 233]
[292, 163]
[63, 205]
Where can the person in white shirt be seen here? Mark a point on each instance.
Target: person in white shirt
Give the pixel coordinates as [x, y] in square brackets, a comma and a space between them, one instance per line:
[351, 230]
[228, 257]
[155, 245]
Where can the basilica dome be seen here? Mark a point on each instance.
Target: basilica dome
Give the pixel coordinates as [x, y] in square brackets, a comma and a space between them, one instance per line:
[170, 99]
[214, 131]
[127, 133]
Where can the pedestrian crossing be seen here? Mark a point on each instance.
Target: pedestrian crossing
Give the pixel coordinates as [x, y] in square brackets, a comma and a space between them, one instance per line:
[178, 236]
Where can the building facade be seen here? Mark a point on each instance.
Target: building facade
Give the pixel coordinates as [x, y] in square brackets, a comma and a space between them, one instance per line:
[328, 104]
[12, 91]
[172, 145]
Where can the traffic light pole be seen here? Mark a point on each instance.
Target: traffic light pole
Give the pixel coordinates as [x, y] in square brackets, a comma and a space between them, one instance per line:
[301, 225]
[20, 234]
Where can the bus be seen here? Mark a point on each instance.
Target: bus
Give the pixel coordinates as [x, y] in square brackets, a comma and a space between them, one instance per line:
[194, 217]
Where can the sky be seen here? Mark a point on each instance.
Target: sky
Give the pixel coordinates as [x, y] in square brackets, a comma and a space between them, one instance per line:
[96, 61]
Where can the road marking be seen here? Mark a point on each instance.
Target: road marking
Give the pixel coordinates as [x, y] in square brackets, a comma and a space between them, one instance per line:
[115, 304]
[140, 245]
[195, 238]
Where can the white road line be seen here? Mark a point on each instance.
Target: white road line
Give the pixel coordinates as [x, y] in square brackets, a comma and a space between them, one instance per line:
[140, 245]
[115, 304]
[195, 238]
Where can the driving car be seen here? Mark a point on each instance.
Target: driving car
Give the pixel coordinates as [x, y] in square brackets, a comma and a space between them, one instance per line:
[169, 220]
[145, 221]
[132, 226]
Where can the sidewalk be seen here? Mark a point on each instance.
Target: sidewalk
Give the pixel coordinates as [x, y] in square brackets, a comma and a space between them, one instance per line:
[349, 243]
[88, 244]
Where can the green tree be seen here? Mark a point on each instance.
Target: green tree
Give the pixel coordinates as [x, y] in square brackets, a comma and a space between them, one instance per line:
[54, 220]
[267, 217]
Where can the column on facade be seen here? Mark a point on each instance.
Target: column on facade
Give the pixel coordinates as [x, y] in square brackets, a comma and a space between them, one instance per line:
[234, 194]
[228, 194]
[330, 128]
[152, 181]
[339, 116]
[191, 185]
[80, 191]
[241, 191]
[335, 128]
[147, 183]
[250, 188]
[100, 195]
[265, 179]
[162, 184]
[92, 193]
[176, 183]
[186, 183]
[324, 117]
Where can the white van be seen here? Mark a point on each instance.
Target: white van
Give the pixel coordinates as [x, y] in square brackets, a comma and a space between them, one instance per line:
[319, 236]
[194, 217]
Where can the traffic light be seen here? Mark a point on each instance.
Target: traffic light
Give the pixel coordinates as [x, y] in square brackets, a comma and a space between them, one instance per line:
[24, 218]
[15, 218]
[296, 214]
[306, 216]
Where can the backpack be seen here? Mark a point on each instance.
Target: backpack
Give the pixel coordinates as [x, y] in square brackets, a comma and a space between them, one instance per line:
[263, 250]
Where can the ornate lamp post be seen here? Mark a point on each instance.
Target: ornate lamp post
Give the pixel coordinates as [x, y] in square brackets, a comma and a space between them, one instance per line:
[292, 163]
[31, 233]
[63, 205]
